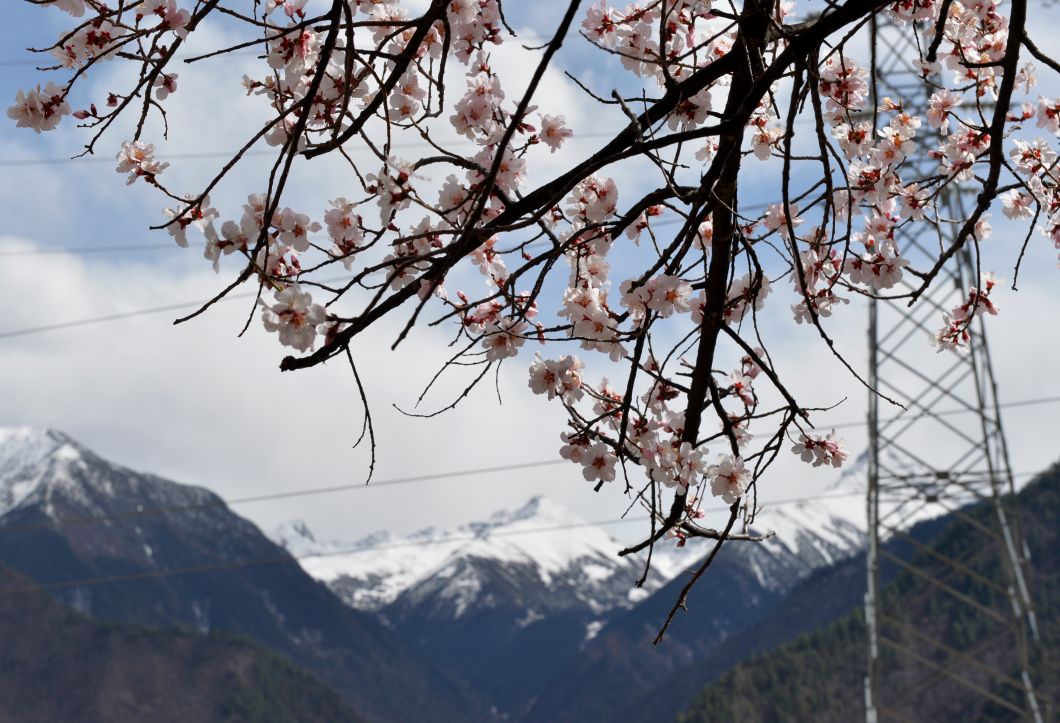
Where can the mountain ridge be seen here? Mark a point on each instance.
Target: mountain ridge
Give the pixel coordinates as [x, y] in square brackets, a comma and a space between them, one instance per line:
[510, 607]
[185, 527]
[820, 674]
[476, 600]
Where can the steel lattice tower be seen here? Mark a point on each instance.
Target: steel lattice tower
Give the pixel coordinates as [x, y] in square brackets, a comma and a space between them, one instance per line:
[943, 452]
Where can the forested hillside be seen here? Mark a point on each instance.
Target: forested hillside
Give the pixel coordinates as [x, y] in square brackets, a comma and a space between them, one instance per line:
[820, 676]
[57, 665]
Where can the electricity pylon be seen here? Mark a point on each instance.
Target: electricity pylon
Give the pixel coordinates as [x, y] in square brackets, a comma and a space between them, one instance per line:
[942, 453]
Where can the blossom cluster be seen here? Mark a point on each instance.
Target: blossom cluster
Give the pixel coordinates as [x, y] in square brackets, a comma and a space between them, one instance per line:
[956, 332]
[566, 259]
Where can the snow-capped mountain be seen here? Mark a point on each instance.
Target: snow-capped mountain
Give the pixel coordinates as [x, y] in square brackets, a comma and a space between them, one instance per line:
[374, 571]
[548, 542]
[149, 551]
[511, 600]
[620, 664]
[34, 464]
[813, 532]
[503, 601]
[504, 605]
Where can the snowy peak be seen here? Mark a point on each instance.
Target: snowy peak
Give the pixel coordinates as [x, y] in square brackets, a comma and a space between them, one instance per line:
[48, 470]
[30, 457]
[546, 546]
[539, 508]
[837, 521]
[540, 536]
[815, 533]
[538, 512]
[22, 447]
[296, 537]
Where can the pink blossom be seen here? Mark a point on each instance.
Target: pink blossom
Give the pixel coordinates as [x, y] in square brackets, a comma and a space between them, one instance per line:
[1048, 116]
[39, 110]
[181, 218]
[233, 237]
[294, 317]
[138, 160]
[557, 378]
[745, 293]
[954, 333]
[598, 463]
[554, 132]
[777, 219]
[295, 229]
[503, 338]
[940, 108]
[763, 140]
[74, 7]
[728, 478]
[662, 294]
[855, 140]
[164, 85]
[575, 446]
[1017, 204]
[818, 450]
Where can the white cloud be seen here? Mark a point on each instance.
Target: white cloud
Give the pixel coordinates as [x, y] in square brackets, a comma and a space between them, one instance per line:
[194, 403]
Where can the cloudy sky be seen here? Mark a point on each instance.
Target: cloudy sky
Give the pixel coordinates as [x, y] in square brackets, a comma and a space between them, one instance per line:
[199, 405]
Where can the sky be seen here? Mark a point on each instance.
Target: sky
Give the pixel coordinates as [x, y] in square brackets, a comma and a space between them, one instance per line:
[199, 404]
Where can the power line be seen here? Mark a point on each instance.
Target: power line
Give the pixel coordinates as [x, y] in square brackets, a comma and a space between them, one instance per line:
[77, 250]
[279, 559]
[220, 503]
[141, 513]
[949, 412]
[112, 317]
[89, 250]
[245, 295]
[287, 557]
[136, 312]
[207, 155]
[129, 314]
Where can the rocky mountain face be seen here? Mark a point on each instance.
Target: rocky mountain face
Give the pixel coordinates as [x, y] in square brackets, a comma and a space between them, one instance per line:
[502, 602]
[528, 615]
[578, 567]
[620, 667]
[158, 553]
[534, 604]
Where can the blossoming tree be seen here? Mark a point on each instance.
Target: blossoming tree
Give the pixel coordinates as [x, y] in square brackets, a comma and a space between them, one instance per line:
[722, 85]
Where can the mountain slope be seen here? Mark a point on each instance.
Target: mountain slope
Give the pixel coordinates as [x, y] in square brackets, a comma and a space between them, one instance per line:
[53, 491]
[56, 665]
[619, 667]
[820, 676]
[512, 603]
[521, 538]
[827, 594]
[501, 602]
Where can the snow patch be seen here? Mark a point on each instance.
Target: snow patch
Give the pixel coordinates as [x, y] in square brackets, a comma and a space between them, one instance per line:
[376, 569]
[529, 618]
[593, 629]
[28, 457]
